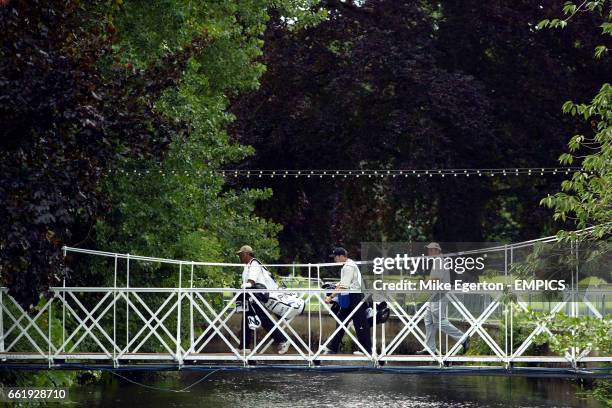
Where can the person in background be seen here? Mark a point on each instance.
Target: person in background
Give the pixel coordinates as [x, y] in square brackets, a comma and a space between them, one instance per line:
[350, 279]
[435, 313]
[253, 273]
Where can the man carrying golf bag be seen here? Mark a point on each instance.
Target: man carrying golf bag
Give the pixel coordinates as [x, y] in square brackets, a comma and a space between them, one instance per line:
[350, 279]
[255, 276]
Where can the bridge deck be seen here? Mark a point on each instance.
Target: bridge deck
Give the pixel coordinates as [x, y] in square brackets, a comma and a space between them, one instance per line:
[218, 357]
[334, 363]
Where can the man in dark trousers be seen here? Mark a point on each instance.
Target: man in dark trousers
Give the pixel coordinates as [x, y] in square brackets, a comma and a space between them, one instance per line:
[253, 273]
[350, 279]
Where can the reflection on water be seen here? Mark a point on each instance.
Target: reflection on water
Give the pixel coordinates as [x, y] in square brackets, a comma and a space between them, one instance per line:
[258, 388]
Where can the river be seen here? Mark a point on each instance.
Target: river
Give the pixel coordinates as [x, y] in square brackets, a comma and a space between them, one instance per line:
[262, 388]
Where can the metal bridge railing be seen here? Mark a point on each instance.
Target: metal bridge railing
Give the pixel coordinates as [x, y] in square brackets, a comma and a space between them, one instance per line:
[190, 325]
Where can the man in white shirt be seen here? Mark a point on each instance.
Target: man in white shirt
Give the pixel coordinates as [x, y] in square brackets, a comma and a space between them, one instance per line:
[435, 313]
[350, 278]
[253, 273]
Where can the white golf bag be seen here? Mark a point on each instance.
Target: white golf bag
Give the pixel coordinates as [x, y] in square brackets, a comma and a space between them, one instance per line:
[287, 305]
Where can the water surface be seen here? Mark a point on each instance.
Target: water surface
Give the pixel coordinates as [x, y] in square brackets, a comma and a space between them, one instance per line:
[262, 388]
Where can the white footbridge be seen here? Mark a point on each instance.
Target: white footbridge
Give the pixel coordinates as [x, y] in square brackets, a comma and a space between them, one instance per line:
[121, 325]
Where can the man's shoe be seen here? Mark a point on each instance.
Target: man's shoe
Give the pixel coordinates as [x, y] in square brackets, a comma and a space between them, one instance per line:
[245, 351]
[283, 347]
[466, 345]
[325, 350]
[358, 353]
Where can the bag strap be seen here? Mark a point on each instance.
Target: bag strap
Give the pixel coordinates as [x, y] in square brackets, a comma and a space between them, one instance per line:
[264, 268]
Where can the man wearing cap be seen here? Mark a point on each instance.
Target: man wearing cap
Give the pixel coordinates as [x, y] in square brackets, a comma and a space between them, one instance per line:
[350, 279]
[435, 312]
[253, 273]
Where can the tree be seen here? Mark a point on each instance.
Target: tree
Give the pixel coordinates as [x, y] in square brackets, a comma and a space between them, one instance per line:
[430, 85]
[187, 211]
[64, 112]
[586, 198]
[90, 89]
[522, 69]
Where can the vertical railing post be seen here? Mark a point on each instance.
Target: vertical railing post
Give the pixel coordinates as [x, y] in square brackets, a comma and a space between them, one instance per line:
[573, 308]
[511, 307]
[49, 333]
[127, 305]
[319, 306]
[308, 305]
[446, 334]
[373, 351]
[383, 339]
[63, 315]
[243, 328]
[115, 314]
[178, 317]
[191, 328]
[1, 320]
[506, 299]
[440, 330]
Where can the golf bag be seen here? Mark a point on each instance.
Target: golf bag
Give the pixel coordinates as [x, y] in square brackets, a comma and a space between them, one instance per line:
[382, 313]
[287, 305]
[382, 310]
[263, 297]
[254, 322]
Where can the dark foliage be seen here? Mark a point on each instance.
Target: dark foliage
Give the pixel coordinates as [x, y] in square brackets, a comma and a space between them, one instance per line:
[363, 90]
[390, 84]
[68, 111]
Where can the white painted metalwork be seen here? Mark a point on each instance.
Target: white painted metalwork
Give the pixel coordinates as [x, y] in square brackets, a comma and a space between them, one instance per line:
[88, 339]
[155, 324]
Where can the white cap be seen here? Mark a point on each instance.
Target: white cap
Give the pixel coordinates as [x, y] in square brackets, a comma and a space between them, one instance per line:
[433, 245]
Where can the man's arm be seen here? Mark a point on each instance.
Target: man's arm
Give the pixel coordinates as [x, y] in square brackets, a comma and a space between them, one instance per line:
[330, 297]
[346, 278]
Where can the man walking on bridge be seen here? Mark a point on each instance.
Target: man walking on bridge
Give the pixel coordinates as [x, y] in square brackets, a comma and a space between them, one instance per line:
[350, 279]
[436, 314]
[253, 273]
